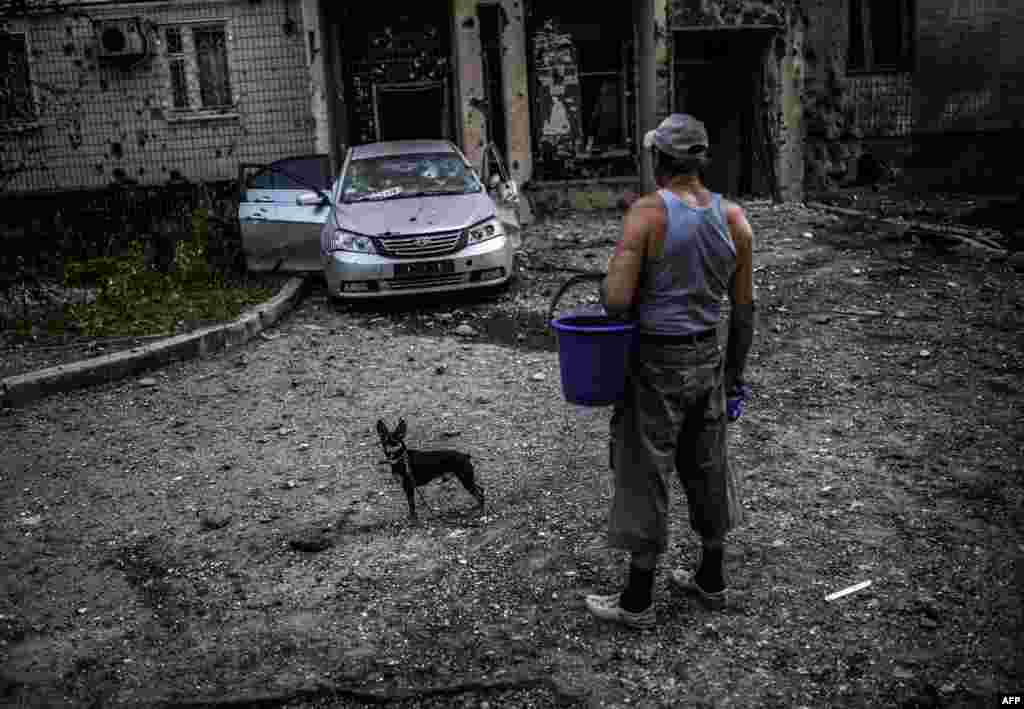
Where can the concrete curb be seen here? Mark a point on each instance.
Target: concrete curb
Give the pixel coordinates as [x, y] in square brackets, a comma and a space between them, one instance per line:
[24, 388]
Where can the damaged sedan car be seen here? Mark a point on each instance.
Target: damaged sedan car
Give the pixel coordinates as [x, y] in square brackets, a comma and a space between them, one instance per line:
[404, 217]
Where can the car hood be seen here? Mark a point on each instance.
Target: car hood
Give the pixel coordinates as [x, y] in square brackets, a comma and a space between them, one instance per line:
[415, 215]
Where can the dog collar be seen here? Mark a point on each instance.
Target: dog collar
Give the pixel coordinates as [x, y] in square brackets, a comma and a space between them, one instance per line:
[403, 457]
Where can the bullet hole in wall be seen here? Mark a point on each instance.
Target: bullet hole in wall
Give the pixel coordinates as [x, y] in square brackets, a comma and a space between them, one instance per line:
[116, 151]
[69, 49]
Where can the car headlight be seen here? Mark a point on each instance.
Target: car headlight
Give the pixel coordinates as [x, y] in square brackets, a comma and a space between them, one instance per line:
[484, 231]
[348, 241]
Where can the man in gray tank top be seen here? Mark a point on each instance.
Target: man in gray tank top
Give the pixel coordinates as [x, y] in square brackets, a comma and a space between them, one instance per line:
[683, 250]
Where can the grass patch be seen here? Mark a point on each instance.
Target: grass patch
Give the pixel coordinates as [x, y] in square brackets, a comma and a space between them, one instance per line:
[134, 299]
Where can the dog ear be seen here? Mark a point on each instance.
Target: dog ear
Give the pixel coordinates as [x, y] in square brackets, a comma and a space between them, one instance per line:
[400, 431]
[382, 430]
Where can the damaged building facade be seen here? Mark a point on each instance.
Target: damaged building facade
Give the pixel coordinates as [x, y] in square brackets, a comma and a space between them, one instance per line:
[798, 94]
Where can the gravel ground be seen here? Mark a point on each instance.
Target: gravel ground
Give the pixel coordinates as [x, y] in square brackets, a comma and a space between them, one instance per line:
[221, 532]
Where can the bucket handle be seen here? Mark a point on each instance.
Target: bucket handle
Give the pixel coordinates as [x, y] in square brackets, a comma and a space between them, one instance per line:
[596, 276]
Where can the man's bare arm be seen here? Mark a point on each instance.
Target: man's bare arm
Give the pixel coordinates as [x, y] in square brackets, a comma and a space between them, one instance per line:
[618, 291]
[741, 320]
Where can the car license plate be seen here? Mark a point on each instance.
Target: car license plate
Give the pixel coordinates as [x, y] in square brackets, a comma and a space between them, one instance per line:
[424, 268]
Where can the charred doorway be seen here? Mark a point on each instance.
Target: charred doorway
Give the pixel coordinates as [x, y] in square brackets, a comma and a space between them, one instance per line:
[397, 70]
[582, 89]
[719, 78]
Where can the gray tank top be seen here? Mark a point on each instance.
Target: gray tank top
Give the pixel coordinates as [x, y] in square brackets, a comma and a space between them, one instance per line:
[681, 293]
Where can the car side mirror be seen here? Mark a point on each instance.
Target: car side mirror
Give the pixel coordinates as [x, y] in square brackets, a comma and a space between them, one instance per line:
[311, 199]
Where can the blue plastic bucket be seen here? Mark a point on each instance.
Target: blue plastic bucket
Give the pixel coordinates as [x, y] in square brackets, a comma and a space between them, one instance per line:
[593, 353]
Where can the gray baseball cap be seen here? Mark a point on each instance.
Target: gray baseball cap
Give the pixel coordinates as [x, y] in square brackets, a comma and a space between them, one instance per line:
[679, 135]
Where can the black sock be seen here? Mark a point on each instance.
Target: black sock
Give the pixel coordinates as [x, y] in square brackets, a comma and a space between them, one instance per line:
[709, 576]
[637, 596]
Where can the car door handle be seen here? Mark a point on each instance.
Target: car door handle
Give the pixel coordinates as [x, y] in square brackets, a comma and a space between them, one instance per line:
[264, 199]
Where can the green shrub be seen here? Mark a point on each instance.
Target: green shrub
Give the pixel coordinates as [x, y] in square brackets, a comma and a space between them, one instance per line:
[132, 299]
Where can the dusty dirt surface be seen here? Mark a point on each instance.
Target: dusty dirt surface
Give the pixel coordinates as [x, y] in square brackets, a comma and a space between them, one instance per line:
[221, 532]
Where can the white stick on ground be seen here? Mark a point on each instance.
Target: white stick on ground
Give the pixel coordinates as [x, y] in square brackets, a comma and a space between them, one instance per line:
[848, 590]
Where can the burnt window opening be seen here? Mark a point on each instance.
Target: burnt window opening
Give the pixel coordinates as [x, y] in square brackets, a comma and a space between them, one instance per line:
[397, 69]
[198, 68]
[16, 101]
[881, 35]
[582, 66]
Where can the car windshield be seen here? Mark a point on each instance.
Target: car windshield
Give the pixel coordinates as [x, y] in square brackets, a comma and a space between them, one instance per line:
[399, 176]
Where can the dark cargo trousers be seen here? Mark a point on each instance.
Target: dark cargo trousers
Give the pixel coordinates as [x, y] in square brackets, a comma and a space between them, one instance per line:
[672, 418]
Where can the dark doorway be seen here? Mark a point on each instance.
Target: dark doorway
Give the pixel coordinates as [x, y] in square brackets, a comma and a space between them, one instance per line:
[492, 24]
[404, 111]
[719, 78]
[396, 62]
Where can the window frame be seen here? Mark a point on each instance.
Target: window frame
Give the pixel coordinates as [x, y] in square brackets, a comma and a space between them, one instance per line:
[907, 59]
[188, 57]
[17, 123]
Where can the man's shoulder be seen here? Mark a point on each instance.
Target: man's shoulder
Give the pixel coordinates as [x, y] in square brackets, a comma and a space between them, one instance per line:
[730, 208]
[649, 207]
[648, 201]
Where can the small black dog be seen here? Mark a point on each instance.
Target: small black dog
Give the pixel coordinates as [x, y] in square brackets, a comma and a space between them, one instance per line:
[417, 468]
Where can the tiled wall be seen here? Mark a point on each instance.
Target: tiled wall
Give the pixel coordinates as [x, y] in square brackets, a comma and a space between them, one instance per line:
[882, 104]
[100, 124]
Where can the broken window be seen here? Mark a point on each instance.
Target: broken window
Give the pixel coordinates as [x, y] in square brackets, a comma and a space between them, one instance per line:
[583, 73]
[881, 35]
[16, 101]
[197, 63]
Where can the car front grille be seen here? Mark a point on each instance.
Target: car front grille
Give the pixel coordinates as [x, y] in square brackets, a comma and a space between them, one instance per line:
[428, 281]
[421, 245]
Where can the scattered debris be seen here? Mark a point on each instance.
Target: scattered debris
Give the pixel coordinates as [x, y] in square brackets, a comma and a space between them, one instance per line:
[848, 590]
[214, 520]
[312, 543]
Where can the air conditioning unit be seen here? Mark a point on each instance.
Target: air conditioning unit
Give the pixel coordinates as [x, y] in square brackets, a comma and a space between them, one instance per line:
[121, 39]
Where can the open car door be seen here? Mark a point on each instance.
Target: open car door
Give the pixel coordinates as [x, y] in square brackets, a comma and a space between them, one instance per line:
[513, 210]
[282, 209]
